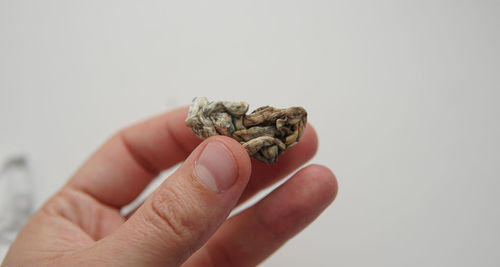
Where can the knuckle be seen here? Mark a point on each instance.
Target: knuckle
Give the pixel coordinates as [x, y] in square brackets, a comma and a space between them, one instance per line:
[64, 203]
[172, 211]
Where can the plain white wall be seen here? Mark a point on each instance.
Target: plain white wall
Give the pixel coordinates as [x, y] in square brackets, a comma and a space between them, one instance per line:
[403, 94]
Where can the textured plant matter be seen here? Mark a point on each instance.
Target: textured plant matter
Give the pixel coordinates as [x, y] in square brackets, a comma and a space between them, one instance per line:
[265, 133]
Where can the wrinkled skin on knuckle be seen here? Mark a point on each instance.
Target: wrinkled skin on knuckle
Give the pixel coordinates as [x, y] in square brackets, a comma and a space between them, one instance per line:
[171, 210]
[60, 204]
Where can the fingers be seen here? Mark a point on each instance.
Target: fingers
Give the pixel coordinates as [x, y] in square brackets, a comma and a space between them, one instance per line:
[125, 164]
[185, 210]
[253, 235]
[264, 175]
[118, 172]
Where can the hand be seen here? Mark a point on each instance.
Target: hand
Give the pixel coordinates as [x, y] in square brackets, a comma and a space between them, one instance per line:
[184, 220]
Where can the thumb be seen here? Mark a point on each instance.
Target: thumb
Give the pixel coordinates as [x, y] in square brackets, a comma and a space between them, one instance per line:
[180, 216]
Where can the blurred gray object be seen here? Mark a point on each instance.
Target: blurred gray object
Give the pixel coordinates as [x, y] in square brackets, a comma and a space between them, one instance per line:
[16, 197]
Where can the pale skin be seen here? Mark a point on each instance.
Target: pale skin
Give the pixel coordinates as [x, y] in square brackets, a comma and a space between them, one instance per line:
[183, 222]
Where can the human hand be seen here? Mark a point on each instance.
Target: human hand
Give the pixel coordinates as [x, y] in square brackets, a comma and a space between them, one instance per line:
[184, 220]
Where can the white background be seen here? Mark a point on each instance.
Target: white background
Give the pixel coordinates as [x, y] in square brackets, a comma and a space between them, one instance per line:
[403, 94]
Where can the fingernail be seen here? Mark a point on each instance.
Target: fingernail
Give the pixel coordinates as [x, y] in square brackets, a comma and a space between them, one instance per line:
[216, 168]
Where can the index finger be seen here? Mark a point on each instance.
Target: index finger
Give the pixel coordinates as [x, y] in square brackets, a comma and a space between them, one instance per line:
[120, 170]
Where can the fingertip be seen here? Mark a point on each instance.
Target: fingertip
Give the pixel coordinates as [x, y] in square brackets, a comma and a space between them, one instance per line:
[240, 155]
[311, 138]
[231, 157]
[178, 118]
[298, 201]
[322, 179]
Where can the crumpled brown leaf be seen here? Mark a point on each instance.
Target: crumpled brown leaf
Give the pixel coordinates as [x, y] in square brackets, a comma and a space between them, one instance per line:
[265, 133]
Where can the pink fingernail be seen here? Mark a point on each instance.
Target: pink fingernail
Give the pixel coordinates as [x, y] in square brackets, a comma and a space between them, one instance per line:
[216, 168]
